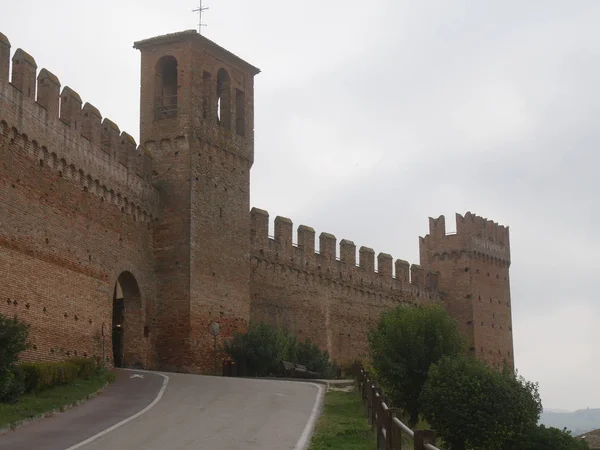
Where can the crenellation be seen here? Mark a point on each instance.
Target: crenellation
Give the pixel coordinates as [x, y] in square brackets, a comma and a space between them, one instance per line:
[48, 92]
[70, 107]
[24, 70]
[348, 253]
[304, 257]
[283, 234]
[4, 59]
[366, 259]
[403, 271]
[417, 275]
[259, 228]
[78, 134]
[110, 140]
[327, 248]
[385, 265]
[473, 225]
[306, 241]
[437, 227]
[91, 127]
[125, 151]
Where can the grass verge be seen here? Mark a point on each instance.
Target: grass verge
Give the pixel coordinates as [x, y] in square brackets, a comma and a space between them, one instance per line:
[343, 424]
[32, 405]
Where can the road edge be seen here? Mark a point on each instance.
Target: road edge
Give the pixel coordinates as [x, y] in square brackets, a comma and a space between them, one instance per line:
[307, 433]
[21, 423]
[130, 418]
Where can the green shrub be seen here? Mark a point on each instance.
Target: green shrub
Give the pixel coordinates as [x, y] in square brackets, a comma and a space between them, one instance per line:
[87, 367]
[13, 340]
[472, 405]
[111, 377]
[262, 348]
[11, 387]
[309, 355]
[548, 438]
[40, 376]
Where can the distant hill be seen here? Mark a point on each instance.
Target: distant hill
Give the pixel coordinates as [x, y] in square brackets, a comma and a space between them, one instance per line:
[578, 422]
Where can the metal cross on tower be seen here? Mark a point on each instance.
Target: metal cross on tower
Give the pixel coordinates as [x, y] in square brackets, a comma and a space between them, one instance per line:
[199, 10]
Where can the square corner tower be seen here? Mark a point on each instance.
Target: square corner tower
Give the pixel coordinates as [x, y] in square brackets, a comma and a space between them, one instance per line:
[197, 122]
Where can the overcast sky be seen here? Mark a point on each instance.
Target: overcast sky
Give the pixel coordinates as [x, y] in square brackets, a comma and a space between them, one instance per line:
[372, 116]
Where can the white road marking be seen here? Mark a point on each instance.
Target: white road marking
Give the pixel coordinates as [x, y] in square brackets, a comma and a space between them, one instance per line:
[129, 419]
[136, 375]
[304, 440]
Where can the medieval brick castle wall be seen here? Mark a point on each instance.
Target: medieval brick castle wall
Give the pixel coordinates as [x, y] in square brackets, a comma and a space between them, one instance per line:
[103, 240]
[76, 212]
[330, 299]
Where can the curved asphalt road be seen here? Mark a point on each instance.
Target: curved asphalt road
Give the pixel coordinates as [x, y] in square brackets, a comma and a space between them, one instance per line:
[195, 412]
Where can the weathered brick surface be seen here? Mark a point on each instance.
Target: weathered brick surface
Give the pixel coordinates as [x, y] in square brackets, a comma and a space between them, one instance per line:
[473, 265]
[316, 295]
[202, 171]
[64, 243]
[82, 206]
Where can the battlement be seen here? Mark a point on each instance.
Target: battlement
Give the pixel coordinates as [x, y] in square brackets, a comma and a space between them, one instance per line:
[55, 128]
[473, 234]
[302, 255]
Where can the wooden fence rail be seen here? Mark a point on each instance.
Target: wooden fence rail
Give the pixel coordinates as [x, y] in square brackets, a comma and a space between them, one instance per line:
[383, 418]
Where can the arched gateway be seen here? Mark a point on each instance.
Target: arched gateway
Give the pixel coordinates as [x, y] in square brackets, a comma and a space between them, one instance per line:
[128, 346]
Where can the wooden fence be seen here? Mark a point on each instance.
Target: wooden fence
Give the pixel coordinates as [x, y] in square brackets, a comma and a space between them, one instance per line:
[390, 428]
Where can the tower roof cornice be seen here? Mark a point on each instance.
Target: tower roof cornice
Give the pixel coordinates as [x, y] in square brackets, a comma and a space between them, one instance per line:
[193, 35]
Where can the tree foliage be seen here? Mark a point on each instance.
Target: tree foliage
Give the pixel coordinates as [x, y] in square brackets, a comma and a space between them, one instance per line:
[13, 340]
[548, 438]
[404, 345]
[308, 354]
[473, 406]
[262, 348]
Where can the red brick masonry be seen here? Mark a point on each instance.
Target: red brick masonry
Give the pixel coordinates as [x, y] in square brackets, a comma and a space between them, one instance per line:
[82, 206]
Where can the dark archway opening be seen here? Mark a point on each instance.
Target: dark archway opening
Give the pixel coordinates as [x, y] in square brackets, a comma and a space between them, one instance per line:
[223, 99]
[117, 330]
[128, 344]
[166, 84]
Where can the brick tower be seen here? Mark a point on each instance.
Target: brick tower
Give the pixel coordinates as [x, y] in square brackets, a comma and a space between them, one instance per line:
[473, 267]
[196, 119]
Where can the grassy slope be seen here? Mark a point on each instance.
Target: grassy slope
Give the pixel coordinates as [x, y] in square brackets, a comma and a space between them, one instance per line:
[343, 424]
[31, 405]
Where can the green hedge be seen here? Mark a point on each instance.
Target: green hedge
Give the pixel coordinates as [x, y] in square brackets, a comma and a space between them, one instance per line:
[13, 340]
[37, 377]
[263, 347]
[87, 367]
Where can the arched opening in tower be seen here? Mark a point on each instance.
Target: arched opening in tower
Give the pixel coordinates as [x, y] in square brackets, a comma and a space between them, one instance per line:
[166, 87]
[223, 99]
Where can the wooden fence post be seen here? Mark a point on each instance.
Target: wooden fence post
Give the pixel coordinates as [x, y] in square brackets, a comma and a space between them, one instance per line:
[370, 402]
[380, 425]
[423, 437]
[389, 427]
